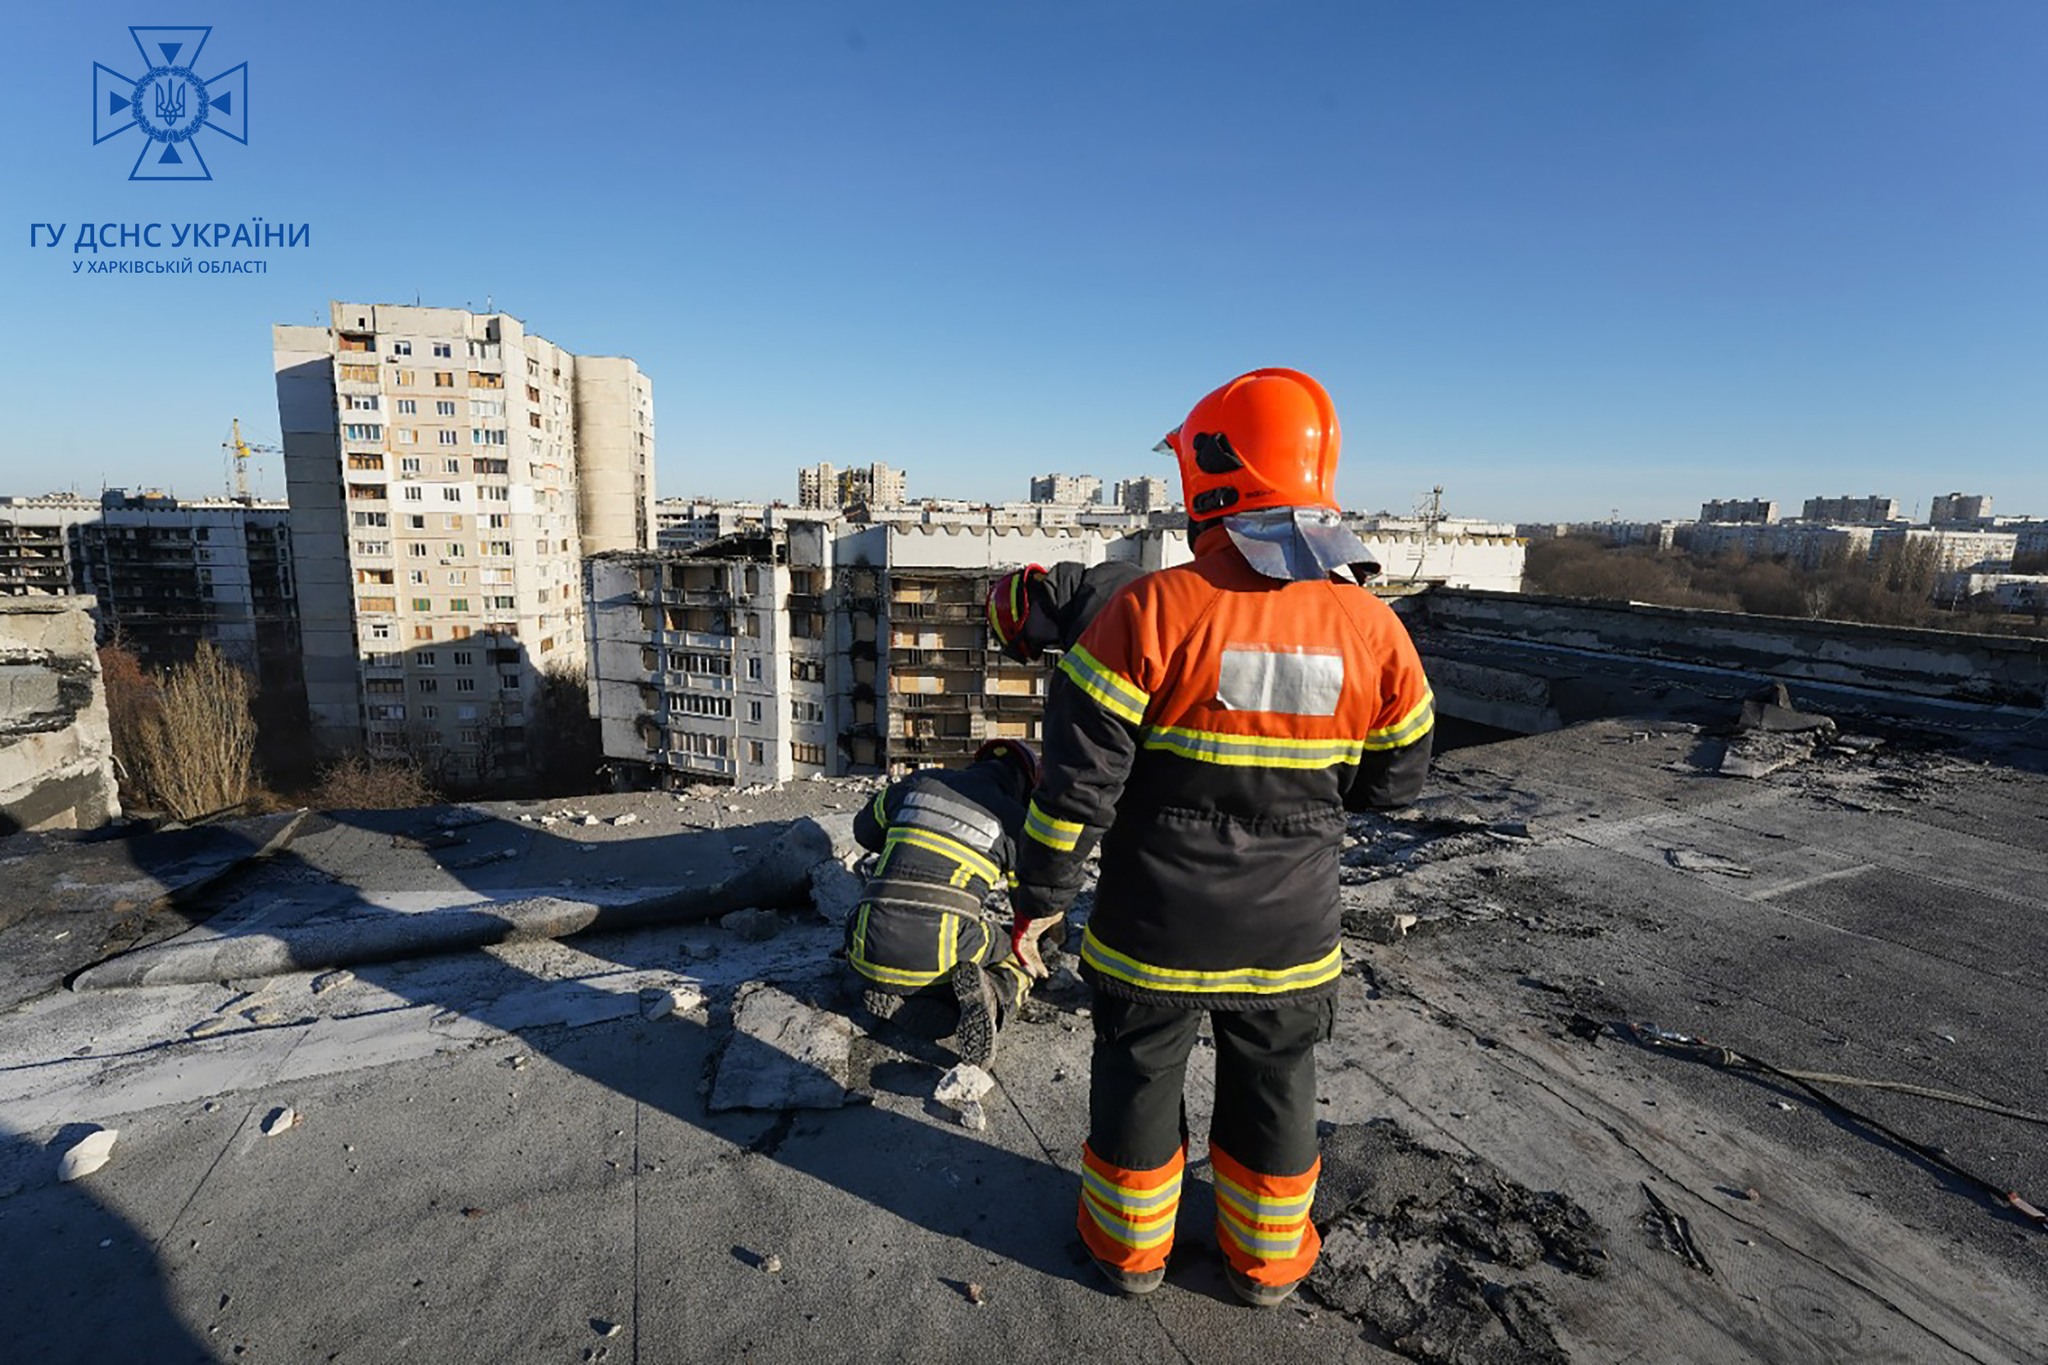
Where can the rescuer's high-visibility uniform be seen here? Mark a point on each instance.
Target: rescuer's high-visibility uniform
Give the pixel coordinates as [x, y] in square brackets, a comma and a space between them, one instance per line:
[1216, 725]
[947, 839]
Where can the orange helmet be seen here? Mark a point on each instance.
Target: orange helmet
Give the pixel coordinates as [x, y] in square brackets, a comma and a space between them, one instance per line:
[1265, 439]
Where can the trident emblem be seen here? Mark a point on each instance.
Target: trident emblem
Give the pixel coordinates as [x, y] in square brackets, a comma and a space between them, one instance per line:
[170, 102]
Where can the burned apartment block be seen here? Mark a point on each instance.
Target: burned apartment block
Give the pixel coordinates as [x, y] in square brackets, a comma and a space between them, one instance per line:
[803, 648]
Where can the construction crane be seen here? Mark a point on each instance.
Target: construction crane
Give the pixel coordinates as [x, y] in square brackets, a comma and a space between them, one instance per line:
[239, 452]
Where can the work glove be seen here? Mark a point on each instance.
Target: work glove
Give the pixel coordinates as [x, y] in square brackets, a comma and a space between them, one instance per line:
[1027, 942]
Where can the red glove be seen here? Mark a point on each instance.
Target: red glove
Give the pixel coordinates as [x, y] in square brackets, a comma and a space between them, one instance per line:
[1025, 937]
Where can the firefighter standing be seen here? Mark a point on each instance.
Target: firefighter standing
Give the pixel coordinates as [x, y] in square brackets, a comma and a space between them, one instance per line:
[947, 839]
[1219, 718]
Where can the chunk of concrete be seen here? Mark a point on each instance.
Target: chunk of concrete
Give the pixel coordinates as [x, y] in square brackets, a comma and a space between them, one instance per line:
[834, 891]
[753, 925]
[87, 1155]
[784, 1054]
[965, 1084]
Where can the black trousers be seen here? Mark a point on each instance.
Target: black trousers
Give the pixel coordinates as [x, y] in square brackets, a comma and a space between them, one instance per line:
[1265, 1113]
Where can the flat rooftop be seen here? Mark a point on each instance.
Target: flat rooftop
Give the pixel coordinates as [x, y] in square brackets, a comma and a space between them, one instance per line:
[498, 1156]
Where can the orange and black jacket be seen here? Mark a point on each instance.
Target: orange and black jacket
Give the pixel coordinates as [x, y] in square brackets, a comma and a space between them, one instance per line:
[1216, 727]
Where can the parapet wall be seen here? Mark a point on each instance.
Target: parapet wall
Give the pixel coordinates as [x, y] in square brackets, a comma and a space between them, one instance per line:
[56, 753]
[1533, 663]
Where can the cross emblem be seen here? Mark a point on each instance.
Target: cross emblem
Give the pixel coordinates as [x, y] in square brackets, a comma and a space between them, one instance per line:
[170, 103]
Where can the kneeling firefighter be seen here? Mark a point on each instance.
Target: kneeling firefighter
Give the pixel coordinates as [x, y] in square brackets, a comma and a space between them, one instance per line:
[948, 839]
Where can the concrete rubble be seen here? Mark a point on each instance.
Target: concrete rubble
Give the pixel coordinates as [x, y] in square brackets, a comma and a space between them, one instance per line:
[518, 1147]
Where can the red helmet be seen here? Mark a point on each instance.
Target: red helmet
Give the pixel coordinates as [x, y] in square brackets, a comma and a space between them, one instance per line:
[1014, 752]
[1009, 605]
[1265, 439]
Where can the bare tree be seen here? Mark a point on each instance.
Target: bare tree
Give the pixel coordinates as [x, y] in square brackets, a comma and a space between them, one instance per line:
[196, 755]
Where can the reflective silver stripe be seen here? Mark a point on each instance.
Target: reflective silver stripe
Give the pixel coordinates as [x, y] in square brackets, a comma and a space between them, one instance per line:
[1292, 682]
[1253, 751]
[925, 809]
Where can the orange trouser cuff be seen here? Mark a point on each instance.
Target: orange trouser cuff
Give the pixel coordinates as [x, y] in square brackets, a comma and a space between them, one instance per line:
[1126, 1216]
[1262, 1221]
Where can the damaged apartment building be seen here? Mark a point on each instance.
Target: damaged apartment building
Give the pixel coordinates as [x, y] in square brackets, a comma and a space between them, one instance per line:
[812, 650]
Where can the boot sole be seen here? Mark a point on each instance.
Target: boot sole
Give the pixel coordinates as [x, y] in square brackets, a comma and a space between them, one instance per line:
[975, 1038]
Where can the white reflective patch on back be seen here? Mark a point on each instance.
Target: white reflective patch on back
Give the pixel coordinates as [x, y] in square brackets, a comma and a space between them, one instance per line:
[1294, 682]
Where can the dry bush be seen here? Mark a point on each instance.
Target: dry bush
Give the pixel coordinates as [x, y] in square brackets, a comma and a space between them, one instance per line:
[132, 704]
[359, 782]
[196, 754]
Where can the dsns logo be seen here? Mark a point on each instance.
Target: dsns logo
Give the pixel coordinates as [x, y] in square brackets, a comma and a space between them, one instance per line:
[170, 103]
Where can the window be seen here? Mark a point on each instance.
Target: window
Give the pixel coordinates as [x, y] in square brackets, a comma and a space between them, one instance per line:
[465, 713]
[370, 518]
[444, 407]
[416, 577]
[532, 394]
[422, 632]
[363, 402]
[754, 668]
[358, 343]
[478, 380]
[408, 436]
[425, 685]
[464, 658]
[455, 550]
[366, 462]
[451, 493]
[465, 684]
[442, 351]
[366, 492]
[754, 714]
[498, 547]
[379, 659]
[508, 682]
[403, 379]
[486, 407]
[458, 604]
[446, 437]
[813, 754]
[380, 630]
[362, 431]
[401, 348]
[425, 658]
[429, 712]
[408, 406]
[422, 604]
[756, 751]
[502, 603]
[452, 522]
[408, 464]
[451, 466]
[494, 492]
[380, 604]
[487, 436]
[457, 577]
[376, 548]
[359, 374]
[416, 522]
[444, 379]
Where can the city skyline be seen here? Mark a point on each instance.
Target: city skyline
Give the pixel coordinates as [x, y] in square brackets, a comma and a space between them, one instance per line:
[1616, 260]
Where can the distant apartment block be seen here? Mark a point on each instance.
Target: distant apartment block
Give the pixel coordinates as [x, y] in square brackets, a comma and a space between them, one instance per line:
[1847, 511]
[2030, 547]
[1740, 511]
[827, 486]
[1147, 495]
[1959, 509]
[1067, 490]
[447, 472]
[816, 648]
[165, 573]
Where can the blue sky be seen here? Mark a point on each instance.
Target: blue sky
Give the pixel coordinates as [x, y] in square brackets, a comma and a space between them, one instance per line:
[1562, 259]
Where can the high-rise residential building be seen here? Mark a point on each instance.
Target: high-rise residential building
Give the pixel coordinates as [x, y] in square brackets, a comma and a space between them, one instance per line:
[1954, 509]
[1067, 490]
[447, 472]
[817, 485]
[1740, 511]
[827, 486]
[1846, 511]
[1148, 494]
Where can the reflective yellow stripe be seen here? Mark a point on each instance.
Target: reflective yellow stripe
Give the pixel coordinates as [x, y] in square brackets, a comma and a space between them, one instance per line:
[1271, 1246]
[1136, 1202]
[1253, 751]
[952, 849]
[1254, 1208]
[1117, 694]
[1050, 830]
[881, 811]
[1235, 981]
[857, 955]
[1406, 730]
